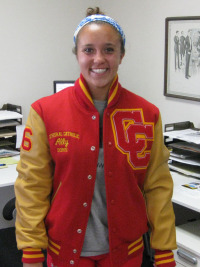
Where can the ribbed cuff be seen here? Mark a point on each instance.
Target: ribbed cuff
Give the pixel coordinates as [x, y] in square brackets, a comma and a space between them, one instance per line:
[32, 255]
[164, 258]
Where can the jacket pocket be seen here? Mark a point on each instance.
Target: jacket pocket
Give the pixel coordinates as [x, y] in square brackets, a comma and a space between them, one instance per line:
[54, 247]
[135, 246]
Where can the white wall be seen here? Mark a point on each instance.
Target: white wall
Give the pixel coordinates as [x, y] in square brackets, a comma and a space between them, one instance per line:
[36, 47]
[36, 44]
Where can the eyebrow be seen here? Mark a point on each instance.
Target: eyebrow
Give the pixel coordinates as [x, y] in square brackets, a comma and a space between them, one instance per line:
[107, 44]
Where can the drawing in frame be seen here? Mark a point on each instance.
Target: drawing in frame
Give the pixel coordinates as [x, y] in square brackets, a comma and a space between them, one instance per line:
[60, 85]
[182, 58]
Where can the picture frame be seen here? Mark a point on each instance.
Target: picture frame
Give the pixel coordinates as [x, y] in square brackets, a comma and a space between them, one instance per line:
[60, 85]
[182, 58]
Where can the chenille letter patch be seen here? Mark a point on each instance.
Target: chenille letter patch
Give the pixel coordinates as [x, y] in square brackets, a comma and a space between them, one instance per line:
[133, 136]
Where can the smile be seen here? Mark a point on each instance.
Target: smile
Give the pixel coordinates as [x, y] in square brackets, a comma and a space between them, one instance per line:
[99, 70]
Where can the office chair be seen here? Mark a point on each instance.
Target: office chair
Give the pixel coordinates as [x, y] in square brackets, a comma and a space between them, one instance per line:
[9, 210]
[10, 256]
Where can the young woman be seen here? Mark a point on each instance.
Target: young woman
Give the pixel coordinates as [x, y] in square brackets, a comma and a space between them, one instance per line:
[93, 174]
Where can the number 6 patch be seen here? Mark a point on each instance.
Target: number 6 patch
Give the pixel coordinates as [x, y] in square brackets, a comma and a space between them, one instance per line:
[26, 141]
[133, 136]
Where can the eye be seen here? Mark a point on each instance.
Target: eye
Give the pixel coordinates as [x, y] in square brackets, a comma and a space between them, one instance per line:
[109, 50]
[88, 50]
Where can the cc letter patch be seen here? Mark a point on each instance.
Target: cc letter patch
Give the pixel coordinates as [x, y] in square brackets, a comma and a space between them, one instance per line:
[133, 136]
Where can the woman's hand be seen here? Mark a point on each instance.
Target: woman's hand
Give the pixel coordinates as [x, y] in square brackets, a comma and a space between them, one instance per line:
[39, 264]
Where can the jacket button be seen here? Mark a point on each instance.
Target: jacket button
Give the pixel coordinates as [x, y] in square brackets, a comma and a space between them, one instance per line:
[93, 148]
[74, 251]
[110, 143]
[112, 202]
[94, 117]
[89, 177]
[85, 204]
[72, 262]
[79, 231]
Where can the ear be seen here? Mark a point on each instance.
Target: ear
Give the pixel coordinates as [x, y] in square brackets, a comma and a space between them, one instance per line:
[121, 57]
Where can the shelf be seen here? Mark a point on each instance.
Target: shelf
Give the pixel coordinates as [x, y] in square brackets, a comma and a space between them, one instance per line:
[6, 123]
[5, 143]
[5, 133]
[188, 237]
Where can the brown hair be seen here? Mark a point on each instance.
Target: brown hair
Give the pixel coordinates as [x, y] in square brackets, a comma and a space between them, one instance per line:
[94, 11]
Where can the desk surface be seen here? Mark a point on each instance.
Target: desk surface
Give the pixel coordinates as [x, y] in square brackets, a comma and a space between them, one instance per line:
[184, 196]
[8, 175]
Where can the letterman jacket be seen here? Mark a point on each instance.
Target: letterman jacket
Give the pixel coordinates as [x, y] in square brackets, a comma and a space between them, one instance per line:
[57, 171]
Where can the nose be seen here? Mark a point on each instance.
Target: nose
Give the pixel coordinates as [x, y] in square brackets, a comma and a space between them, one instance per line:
[99, 57]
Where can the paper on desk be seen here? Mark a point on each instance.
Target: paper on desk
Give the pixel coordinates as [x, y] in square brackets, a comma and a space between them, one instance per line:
[188, 135]
[193, 186]
[8, 161]
[9, 115]
[20, 132]
[3, 167]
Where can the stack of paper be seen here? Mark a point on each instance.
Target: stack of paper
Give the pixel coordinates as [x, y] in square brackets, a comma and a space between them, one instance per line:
[9, 115]
[8, 153]
[185, 151]
[9, 120]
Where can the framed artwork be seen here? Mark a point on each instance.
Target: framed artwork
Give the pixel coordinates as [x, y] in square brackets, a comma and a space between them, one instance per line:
[182, 58]
[60, 85]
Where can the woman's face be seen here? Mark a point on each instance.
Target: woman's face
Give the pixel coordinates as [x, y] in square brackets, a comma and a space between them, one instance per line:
[99, 56]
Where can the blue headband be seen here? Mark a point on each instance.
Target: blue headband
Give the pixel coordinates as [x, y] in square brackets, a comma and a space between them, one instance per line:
[99, 17]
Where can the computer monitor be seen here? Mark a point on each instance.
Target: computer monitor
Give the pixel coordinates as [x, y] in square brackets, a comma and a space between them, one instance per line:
[60, 85]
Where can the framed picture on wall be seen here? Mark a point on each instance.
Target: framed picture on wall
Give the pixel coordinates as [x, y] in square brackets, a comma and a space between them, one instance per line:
[182, 58]
[60, 85]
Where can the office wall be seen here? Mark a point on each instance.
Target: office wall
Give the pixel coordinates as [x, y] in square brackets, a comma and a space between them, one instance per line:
[36, 44]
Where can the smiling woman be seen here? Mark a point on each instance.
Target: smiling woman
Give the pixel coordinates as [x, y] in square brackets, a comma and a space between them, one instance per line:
[99, 46]
[99, 56]
[95, 176]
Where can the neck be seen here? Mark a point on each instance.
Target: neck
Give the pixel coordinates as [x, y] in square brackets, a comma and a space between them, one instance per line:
[99, 93]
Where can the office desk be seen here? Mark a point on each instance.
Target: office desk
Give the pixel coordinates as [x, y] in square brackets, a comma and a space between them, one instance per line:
[7, 179]
[187, 234]
[8, 175]
[183, 196]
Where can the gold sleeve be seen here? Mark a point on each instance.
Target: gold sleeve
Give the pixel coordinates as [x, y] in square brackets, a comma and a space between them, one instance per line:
[33, 185]
[158, 189]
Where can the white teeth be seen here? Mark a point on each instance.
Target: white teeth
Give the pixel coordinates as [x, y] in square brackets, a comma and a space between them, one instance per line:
[98, 70]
